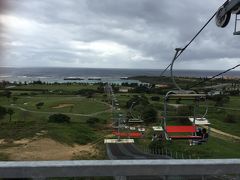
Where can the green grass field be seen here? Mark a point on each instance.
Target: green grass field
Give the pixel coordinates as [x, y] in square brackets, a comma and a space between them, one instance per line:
[28, 120]
[214, 148]
[63, 104]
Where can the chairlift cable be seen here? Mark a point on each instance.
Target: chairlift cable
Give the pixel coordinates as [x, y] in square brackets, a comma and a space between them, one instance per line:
[191, 41]
[223, 72]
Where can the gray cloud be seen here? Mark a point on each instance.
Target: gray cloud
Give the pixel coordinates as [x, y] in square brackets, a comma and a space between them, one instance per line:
[108, 33]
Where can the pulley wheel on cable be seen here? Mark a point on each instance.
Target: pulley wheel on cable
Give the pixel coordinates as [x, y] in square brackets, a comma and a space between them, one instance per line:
[236, 11]
[222, 19]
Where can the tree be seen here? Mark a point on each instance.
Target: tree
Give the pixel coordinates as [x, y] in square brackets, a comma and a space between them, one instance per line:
[59, 118]
[15, 99]
[7, 93]
[229, 118]
[3, 112]
[39, 105]
[178, 101]
[138, 100]
[71, 108]
[219, 99]
[10, 112]
[92, 121]
[149, 114]
[89, 93]
[155, 98]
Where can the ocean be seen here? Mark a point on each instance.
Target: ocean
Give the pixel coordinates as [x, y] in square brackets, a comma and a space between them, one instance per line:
[57, 74]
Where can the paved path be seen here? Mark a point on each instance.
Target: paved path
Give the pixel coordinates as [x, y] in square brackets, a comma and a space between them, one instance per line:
[130, 151]
[219, 132]
[52, 112]
[225, 108]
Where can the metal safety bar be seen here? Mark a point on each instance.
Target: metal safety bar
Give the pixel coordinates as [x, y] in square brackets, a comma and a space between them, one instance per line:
[42, 169]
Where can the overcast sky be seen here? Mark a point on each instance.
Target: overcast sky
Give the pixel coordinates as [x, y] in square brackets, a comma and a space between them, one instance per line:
[115, 34]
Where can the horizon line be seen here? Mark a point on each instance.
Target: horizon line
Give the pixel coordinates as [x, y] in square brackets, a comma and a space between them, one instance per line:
[110, 68]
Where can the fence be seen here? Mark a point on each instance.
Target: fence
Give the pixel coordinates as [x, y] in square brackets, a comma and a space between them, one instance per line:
[159, 150]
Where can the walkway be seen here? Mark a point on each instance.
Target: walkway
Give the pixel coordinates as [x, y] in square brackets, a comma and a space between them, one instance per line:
[219, 132]
[52, 112]
[130, 151]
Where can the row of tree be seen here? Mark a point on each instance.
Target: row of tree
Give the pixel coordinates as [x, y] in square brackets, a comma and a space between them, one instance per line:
[4, 111]
[141, 107]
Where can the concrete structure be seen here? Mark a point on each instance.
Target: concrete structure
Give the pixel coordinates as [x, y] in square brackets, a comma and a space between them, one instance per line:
[42, 169]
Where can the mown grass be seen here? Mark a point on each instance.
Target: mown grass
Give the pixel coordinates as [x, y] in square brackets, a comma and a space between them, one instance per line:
[214, 148]
[16, 130]
[217, 118]
[71, 133]
[75, 104]
[54, 87]
[215, 115]
[26, 124]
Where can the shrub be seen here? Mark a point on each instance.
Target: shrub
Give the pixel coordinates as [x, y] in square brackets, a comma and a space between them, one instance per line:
[219, 99]
[229, 118]
[59, 118]
[149, 114]
[3, 112]
[40, 104]
[92, 121]
[24, 94]
[155, 98]
[138, 99]
[89, 93]
[178, 101]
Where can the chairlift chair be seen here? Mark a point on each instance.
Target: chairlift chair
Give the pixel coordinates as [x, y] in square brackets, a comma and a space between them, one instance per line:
[127, 134]
[135, 120]
[170, 131]
[183, 94]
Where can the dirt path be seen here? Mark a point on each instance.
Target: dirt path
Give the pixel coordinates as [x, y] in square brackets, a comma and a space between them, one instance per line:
[48, 149]
[75, 114]
[224, 135]
[225, 108]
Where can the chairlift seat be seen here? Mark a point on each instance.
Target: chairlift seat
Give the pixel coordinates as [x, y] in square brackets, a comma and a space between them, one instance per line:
[157, 128]
[141, 129]
[185, 96]
[131, 134]
[199, 121]
[135, 121]
[132, 128]
[181, 129]
[117, 141]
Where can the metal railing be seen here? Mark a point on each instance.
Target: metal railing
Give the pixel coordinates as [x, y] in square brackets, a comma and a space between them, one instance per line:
[82, 168]
[159, 150]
